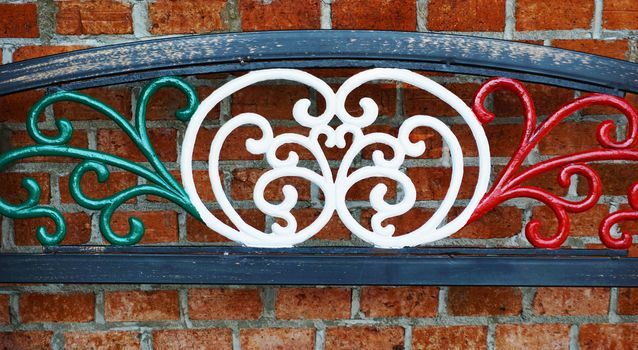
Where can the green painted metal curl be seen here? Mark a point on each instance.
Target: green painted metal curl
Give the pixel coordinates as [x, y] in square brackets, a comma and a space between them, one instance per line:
[159, 181]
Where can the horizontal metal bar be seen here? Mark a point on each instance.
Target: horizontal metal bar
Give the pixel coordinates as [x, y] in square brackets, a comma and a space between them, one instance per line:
[311, 269]
[143, 59]
[336, 63]
[338, 250]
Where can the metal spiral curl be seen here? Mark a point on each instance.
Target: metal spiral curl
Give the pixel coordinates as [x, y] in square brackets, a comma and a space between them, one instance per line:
[161, 182]
[508, 184]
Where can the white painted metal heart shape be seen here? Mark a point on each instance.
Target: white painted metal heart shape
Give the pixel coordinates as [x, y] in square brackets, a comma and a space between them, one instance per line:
[334, 188]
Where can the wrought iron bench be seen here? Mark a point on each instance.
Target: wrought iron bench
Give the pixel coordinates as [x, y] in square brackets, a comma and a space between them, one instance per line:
[269, 257]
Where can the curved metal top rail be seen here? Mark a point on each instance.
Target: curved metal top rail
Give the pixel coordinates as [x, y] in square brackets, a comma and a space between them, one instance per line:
[227, 52]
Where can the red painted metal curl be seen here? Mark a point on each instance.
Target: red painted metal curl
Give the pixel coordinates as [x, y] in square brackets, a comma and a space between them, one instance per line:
[509, 183]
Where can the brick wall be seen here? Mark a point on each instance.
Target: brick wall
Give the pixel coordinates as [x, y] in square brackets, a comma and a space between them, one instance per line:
[174, 317]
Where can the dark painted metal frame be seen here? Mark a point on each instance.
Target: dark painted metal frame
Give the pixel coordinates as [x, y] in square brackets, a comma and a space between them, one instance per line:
[324, 266]
[228, 52]
[339, 265]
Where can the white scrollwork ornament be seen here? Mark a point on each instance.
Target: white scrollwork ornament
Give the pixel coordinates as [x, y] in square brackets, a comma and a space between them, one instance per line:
[335, 188]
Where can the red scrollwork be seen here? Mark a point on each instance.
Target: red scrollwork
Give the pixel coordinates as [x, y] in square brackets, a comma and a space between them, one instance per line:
[509, 183]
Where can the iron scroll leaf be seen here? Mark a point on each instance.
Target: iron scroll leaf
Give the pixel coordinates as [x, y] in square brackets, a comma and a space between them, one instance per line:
[159, 181]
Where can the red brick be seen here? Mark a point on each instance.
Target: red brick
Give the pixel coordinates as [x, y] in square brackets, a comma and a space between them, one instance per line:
[449, 337]
[269, 101]
[118, 98]
[433, 183]
[632, 99]
[224, 304]
[581, 224]
[136, 305]
[277, 338]
[484, 301]
[628, 301]
[532, 336]
[124, 340]
[419, 102]
[57, 307]
[358, 337]
[360, 191]
[595, 246]
[551, 15]
[403, 224]
[302, 152]
[503, 139]
[333, 72]
[25, 340]
[78, 229]
[5, 316]
[500, 222]
[92, 188]
[627, 225]
[547, 181]
[554, 301]
[426, 134]
[14, 107]
[20, 138]
[383, 94]
[608, 336]
[533, 42]
[189, 16]
[202, 185]
[570, 138]
[28, 52]
[244, 181]
[19, 21]
[616, 178]
[610, 48]
[196, 231]
[311, 303]
[399, 302]
[164, 103]
[159, 226]
[432, 139]
[77, 17]
[467, 16]
[13, 192]
[233, 148]
[547, 99]
[374, 14]
[174, 339]
[620, 14]
[333, 230]
[280, 14]
[116, 142]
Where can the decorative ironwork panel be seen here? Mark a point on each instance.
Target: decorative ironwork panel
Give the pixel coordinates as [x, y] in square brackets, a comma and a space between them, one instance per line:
[333, 124]
[335, 188]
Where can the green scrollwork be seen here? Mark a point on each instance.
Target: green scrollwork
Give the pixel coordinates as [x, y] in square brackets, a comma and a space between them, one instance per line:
[159, 181]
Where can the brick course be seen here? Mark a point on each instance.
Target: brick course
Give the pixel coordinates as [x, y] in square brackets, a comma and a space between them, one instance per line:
[76, 17]
[19, 21]
[141, 305]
